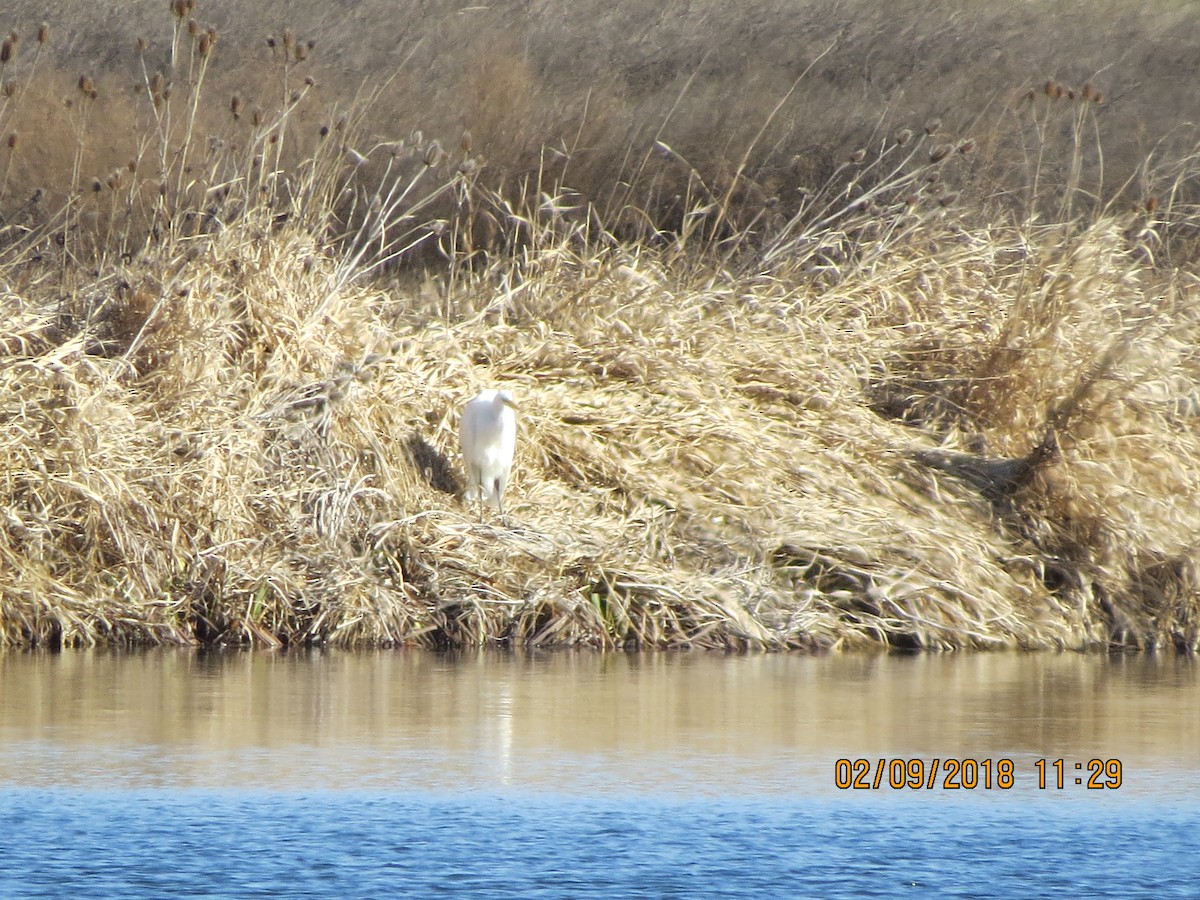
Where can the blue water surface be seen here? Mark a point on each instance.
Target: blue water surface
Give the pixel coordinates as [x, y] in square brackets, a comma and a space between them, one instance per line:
[204, 843]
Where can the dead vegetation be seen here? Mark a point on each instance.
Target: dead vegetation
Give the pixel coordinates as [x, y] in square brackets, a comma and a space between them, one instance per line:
[886, 411]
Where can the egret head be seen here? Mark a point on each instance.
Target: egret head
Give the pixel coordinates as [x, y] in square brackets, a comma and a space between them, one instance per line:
[505, 398]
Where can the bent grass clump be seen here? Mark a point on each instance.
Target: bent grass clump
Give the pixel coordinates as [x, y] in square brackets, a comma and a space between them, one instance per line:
[887, 415]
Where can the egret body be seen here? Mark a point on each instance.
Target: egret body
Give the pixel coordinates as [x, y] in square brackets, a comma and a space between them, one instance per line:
[488, 433]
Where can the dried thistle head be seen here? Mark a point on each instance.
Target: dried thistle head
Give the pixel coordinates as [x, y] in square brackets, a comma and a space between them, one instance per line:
[193, 27]
[289, 39]
[7, 50]
[204, 45]
[12, 141]
[433, 153]
[940, 152]
[43, 33]
[235, 106]
[9, 89]
[1088, 91]
[141, 45]
[933, 126]
[965, 147]
[903, 136]
[858, 156]
[301, 53]
[1051, 88]
[86, 86]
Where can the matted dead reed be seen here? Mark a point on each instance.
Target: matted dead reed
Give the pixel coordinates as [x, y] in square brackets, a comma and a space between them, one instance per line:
[875, 416]
[265, 453]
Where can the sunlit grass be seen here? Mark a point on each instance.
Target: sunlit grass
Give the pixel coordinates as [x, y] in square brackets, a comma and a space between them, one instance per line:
[893, 408]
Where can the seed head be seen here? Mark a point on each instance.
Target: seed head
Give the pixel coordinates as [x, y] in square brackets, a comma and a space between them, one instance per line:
[86, 85]
[933, 125]
[965, 147]
[466, 141]
[9, 89]
[43, 34]
[142, 46]
[7, 49]
[289, 39]
[235, 106]
[1051, 88]
[903, 136]
[940, 152]
[12, 141]
[433, 153]
[858, 156]
[1088, 91]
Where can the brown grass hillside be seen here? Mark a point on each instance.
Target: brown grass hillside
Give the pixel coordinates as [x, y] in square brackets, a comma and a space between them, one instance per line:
[830, 328]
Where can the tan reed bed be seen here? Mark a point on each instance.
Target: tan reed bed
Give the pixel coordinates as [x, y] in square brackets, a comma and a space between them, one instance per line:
[231, 379]
[705, 459]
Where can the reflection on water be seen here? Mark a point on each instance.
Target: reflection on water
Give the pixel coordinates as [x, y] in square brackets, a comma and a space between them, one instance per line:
[578, 722]
[330, 774]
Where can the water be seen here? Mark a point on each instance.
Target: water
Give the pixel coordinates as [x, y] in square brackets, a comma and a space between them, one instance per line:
[578, 775]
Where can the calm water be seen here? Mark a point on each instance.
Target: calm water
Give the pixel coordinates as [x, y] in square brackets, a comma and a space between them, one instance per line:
[578, 775]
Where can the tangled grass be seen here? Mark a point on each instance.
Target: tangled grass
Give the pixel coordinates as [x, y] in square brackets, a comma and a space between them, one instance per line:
[878, 414]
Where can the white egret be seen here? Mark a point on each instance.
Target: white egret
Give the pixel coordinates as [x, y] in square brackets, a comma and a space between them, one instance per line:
[488, 434]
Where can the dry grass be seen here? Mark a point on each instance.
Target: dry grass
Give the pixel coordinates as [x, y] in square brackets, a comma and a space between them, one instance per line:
[887, 410]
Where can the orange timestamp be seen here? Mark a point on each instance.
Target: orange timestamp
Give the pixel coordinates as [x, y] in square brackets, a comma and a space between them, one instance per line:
[955, 774]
